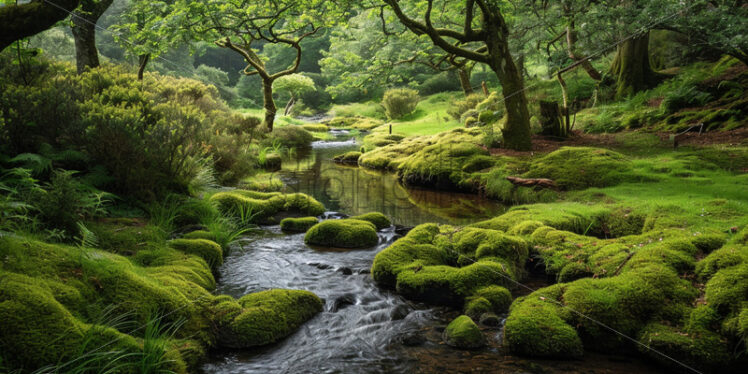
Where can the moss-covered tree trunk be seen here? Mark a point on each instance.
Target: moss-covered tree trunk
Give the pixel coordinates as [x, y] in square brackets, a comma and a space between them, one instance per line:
[631, 67]
[24, 20]
[84, 32]
[464, 74]
[268, 103]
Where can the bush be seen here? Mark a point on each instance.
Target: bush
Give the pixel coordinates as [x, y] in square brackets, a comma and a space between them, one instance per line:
[459, 107]
[442, 82]
[400, 102]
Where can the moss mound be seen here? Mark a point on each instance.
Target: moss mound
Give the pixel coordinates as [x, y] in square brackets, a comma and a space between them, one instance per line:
[52, 300]
[298, 224]
[264, 317]
[440, 165]
[206, 249]
[463, 333]
[265, 207]
[343, 233]
[358, 123]
[348, 158]
[575, 168]
[315, 128]
[378, 219]
[200, 234]
[453, 266]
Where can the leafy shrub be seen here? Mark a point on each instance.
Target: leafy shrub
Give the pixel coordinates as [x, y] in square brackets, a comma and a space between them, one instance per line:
[290, 137]
[400, 102]
[684, 97]
[459, 107]
[442, 82]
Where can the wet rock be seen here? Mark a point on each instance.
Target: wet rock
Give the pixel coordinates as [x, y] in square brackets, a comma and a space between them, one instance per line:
[490, 319]
[342, 302]
[364, 271]
[412, 339]
[463, 333]
[399, 312]
[402, 230]
[345, 270]
[320, 266]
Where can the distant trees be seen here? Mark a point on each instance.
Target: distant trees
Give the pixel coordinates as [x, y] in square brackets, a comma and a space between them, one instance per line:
[475, 30]
[244, 25]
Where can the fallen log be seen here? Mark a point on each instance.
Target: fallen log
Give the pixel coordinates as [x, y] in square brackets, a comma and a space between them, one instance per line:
[533, 182]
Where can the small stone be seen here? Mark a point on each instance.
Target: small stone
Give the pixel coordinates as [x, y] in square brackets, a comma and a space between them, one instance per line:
[345, 270]
[490, 319]
[399, 312]
[342, 302]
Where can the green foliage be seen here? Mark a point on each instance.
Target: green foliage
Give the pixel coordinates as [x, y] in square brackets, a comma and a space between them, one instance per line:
[580, 167]
[294, 84]
[461, 106]
[400, 102]
[266, 205]
[342, 233]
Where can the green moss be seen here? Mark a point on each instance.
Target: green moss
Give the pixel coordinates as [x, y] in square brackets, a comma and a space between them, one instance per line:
[348, 158]
[476, 306]
[573, 271]
[478, 163]
[463, 333]
[378, 219]
[535, 329]
[700, 349]
[316, 127]
[439, 166]
[264, 317]
[708, 242]
[208, 250]
[499, 297]
[415, 247]
[126, 236]
[200, 234]
[574, 168]
[722, 258]
[447, 285]
[298, 224]
[342, 233]
[358, 123]
[728, 289]
[265, 206]
[391, 155]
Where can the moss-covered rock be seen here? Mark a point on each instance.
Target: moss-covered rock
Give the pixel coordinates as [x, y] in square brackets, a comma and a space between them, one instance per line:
[298, 224]
[348, 158]
[723, 258]
[378, 219]
[463, 333]
[574, 168]
[265, 207]
[272, 162]
[343, 233]
[700, 349]
[440, 165]
[315, 127]
[206, 249]
[264, 317]
[390, 156]
[534, 328]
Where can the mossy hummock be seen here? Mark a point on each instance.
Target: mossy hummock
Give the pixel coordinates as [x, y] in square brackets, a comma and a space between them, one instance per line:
[301, 224]
[379, 220]
[342, 233]
[206, 249]
[266, 207]
[348, 158]
[264, 317]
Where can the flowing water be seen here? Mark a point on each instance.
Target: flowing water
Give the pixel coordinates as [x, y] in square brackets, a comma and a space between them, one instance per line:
[364, 329]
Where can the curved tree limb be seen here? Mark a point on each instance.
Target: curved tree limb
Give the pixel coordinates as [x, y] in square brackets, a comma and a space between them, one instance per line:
[24, 20]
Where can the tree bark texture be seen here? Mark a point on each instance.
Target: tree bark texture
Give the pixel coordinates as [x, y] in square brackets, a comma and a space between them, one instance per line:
[631, 67]
[24, 20]
[84, 32]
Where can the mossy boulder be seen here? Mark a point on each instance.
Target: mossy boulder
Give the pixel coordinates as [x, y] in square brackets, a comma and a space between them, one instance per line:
[348, 158]
[272, 162]
[298, 224]
[534, 328]
[264, 317]
[462, 267]
[440, 165]
[390, 156]
[701, 349]
[379, 220]
[342, 233]
[463, 333]
[206, 249]
[575, 168]
[266, 207]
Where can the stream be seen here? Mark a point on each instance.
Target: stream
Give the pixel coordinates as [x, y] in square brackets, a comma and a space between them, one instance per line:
[365, 329]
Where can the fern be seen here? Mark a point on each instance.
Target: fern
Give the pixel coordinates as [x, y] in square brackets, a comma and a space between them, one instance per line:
[38, 164]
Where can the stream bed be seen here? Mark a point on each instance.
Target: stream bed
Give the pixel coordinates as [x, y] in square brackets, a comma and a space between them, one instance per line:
[365, 329]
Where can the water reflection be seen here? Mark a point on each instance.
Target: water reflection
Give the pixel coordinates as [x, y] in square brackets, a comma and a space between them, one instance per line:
[356, 190]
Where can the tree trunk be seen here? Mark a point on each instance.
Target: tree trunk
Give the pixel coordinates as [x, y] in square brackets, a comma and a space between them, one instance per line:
[550, 119]
[268, 103]
[571, 39]
[289, 106]
[142, 62]
[631, 67]
[84, 33]
[24, 20]
[464, 75]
